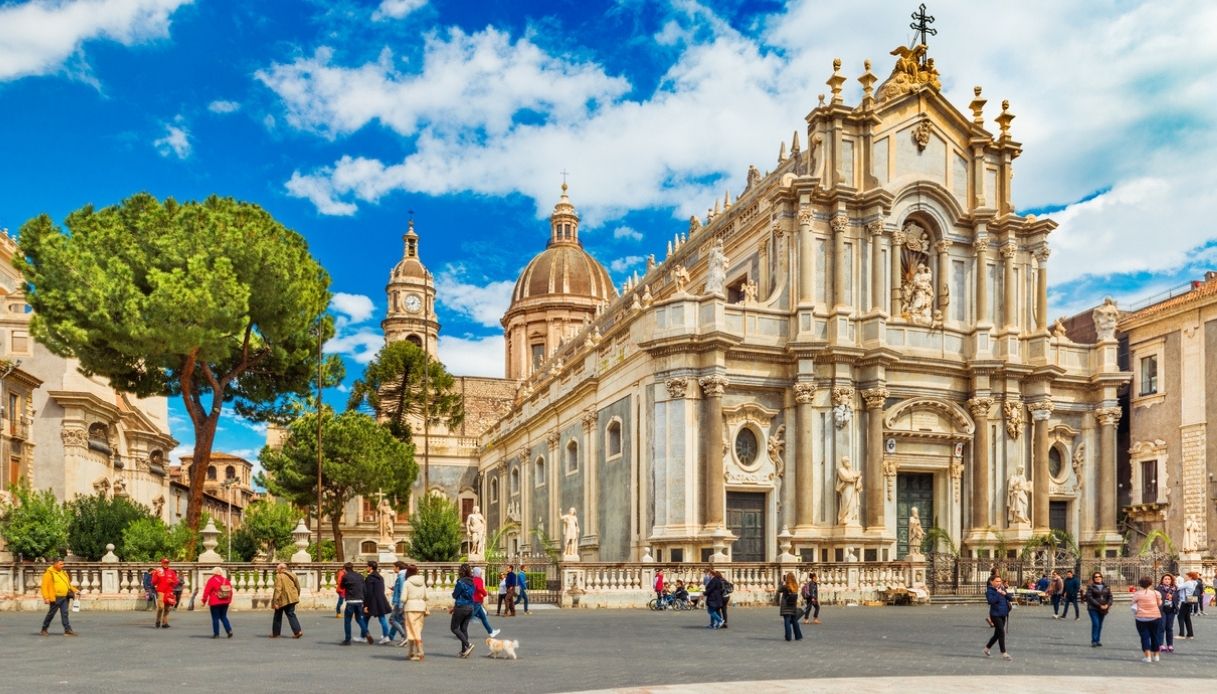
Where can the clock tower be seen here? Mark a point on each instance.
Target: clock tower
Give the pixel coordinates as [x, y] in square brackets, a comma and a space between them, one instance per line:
[411, 300]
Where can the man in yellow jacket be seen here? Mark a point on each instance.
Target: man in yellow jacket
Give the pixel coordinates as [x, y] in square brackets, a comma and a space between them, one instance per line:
[58, 592]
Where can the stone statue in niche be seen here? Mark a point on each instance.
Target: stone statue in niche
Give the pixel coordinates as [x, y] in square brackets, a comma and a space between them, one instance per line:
[849, 482]
[1105, 318]
[1018, 498]
[1191, 534]
[570, 534]
[916, 532]
[749, 290]
[716, 269]
[919, 296]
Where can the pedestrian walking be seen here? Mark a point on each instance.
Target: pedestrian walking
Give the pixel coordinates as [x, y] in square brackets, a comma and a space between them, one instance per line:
[728, 589]
[165, 582]
[658, 588]
[414, 604]
[1201, 594]
[511, 583]
[342, 594]
[1098, 602]
[811, 599]
[788, 607]
[479, 598]
[353, 590]
[1188, 597]
[1147, 611]
[1170, 608]
[713, 593]
[522, 588]
[149, 589]
[462, 609]
[397, 620]
[498, 611]
[283, 600]
[217, 596]
[999, 612]
[375, 604]
[1056, 590]
[1069, 595]
[58, 592]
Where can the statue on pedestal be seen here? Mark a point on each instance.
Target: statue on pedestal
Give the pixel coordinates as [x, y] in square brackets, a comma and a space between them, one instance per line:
[570, 534]
[475, 524]
[1105, 318]
[916, 533]
[385, 516]
[716, 269]
[1191, 534]
[1018, 498]
[849, 482]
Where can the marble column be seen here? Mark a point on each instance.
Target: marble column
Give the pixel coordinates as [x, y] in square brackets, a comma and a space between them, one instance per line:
[1010, 319]
[1106, 493]
[839, 225]
[944, 276]
[982, 276]
[1040, 412]
[807, 258]
[897, 274]
[713, 494]
[872, 476]
[1041, 293]
[876, 266]
[981, 463]
[804, 470]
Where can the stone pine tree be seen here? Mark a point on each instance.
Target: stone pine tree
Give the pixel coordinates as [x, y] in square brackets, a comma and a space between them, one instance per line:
[392, 387]
[214, 301]
[358, 458]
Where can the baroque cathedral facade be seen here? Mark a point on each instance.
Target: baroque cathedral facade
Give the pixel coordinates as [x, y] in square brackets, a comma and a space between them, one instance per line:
[862, 332]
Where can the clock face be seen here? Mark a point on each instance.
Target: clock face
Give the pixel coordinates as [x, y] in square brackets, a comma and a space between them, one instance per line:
[413, 303]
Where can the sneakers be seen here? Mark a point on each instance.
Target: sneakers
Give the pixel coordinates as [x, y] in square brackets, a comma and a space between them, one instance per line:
[986, 652]
[815, 621]
[44, 632]
[69, 632]
[337, 615]
[1006, 656]
[466, 651]
[495, 633]
[296, 635]
[1147, 660]
[383, 640]
[1157, 657]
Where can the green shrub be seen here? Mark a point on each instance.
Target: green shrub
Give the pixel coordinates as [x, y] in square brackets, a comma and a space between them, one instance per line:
[437, 530]
[148, 539]
[97, 520]
[36, 527]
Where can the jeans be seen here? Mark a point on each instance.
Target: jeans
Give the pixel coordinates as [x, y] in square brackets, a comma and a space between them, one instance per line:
[1096, 625]
[1166, 629]
[276, 624]
[62, 604]
[1056, 603]
[1185, 621]
[723, 611]
[480, 613]
[219, 615]
[716, 617]
[354, 609]
[397, 621]
[499, 610]
[1067, 602]
[522, 595]
[385, 630]
[1147, 629]
[999, 633]
[808, 607]
[791, 622]
[460, 624]
[338, 607]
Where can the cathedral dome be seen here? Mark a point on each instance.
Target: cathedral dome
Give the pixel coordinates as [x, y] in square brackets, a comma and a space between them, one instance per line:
[564, 268]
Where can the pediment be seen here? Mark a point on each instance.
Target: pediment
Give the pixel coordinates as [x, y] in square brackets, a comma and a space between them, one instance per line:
[928, 416]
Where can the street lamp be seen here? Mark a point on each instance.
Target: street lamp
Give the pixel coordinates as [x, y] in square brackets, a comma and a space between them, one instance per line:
[228, 484]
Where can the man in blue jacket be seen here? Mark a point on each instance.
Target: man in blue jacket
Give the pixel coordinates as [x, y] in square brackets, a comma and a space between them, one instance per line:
[1073, 587]
[522, 588]
[512, 582]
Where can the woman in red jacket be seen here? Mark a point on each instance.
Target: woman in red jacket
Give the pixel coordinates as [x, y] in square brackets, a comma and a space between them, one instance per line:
[479, 598]
[217, 594]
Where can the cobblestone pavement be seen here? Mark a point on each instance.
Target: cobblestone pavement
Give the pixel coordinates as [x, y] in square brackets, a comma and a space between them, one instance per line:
[573, 650]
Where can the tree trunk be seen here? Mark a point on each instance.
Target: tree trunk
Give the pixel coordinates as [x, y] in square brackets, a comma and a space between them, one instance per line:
[336, 525]
[204, 439]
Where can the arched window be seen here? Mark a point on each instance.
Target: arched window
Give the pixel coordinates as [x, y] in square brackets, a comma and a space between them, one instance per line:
[367, 547]
[538, 473]
[612, 439]
[515, 480]
[211, 472]
[494, 491]
[230, 472]
[401, 548]
[415, 339]
[572, 457]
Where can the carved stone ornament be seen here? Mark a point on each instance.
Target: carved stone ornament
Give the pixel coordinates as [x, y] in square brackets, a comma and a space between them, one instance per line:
[1008, 250]
[777, 447]
[513, 511]
[889, 474]
[875, 397]
[839, 224]
[874, 228]
[716, 269]
[680, 277]
[1108, 416]
[647, 298]
[1013, 410]
[842, 405]
[899, 238]
[1042, 253]
[73, 436]
[913, 70]
[956, 477]
[804, 216]
[676, 387]
[1079, 461]
[594, 337]
[1041, 410]
[749, 290]
[635, 304]
[589, 419]
[979, 407]
[713, 386]
[694, 225]
[553, 438]
[1105, 318]
[921, 134]
[916, 238]
[804, 392]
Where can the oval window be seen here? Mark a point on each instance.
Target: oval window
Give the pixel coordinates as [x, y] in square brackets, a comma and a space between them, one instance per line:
[745, 446]
[1054, 462]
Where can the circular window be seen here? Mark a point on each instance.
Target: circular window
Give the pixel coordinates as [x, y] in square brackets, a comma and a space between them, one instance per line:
[745, 446]
[1055, 466]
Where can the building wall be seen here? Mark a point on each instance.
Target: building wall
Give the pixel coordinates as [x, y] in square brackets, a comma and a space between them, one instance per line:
[615, 481]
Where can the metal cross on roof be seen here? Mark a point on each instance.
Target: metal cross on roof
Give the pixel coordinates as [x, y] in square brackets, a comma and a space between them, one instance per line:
[922, 23]
[564, 173]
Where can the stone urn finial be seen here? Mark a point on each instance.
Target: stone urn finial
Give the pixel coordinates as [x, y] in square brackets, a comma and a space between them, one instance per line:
[109, 557]
[301, 535]
[210, 534]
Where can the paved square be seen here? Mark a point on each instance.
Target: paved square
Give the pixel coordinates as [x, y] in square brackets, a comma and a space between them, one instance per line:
[567, 650]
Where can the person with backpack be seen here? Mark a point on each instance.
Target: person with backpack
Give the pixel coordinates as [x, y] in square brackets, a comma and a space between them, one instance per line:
[342, 594]
[462, 609]
[811, 599]
[788, 607]
[217, 596]
[1098, 602]
[728, 589]
[283, 600]
[149, 590]
[713, 593]
[165, 582]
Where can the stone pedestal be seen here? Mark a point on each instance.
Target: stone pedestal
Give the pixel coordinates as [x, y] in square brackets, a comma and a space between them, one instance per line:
[210, 555]
[300, 534]
[385, 554]
[722, 543]
[477, 558]
[646, 556]
[786, 544]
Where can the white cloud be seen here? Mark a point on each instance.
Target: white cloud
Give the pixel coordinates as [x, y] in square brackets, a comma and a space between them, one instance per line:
[396, 9]
[485, 302]
[40, 36]
[185, 450]
[353, 308]
[625, 232]
[472, 356]
[222, 106]
[361, 345]
[623, 264]
[319, 191]
[175, 142]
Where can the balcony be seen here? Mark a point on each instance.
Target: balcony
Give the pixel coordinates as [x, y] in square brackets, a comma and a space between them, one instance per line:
[19, 429]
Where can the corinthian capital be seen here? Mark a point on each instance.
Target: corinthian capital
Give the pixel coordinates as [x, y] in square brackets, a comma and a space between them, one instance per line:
[713, 386]
[1042, 253]
[843, 396]
[1008, 250]
[875, 228]
[1108, 416]
[676, 387]
[1041, 410]
[979, 407]
[804, 392]
[839, 224]
[942, 246]
[875, 397]
[804, 216]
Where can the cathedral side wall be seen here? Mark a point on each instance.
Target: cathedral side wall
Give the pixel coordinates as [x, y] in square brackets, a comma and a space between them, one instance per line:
[614, 483]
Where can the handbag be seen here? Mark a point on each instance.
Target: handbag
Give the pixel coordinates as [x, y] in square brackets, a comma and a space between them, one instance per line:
[170, 599]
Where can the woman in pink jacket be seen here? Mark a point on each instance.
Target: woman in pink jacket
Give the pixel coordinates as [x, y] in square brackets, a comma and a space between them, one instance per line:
[217, 595]
[1147, 606]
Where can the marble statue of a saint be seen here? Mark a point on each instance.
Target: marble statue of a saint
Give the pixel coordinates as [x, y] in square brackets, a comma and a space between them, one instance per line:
[570, 533]
[916, 532]
[475, 524]
[1105, 318]
[384, 521]
[716, 269]
[919, 296]
[849, 482]
[1018, 497]
[1191, 534]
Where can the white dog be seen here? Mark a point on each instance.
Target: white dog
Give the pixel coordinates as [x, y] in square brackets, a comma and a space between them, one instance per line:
[502, 646]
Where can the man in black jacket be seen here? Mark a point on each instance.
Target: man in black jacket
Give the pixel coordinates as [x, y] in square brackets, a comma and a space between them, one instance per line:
[1098, 602]
[353, 585]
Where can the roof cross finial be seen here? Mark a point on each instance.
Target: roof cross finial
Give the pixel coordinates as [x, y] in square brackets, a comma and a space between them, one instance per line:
[564, 173]
[921, 23]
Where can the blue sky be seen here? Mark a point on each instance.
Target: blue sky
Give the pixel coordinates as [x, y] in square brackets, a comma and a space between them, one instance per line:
[338, 117]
